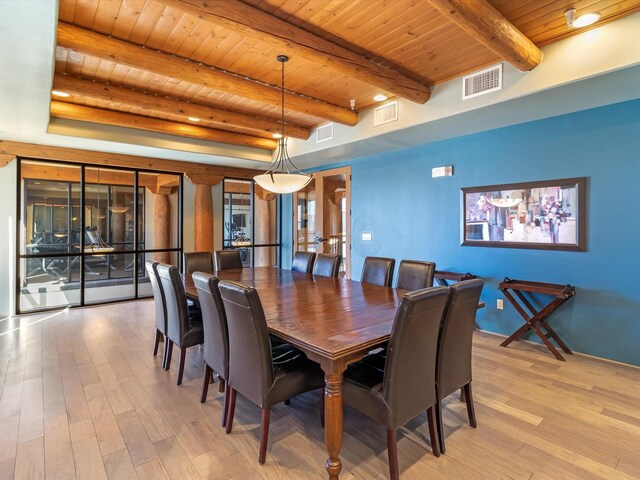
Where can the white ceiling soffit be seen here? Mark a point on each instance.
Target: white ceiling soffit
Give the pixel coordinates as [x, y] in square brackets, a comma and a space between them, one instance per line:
[596, 68]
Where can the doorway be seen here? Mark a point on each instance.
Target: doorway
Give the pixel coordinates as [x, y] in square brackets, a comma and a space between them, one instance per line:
[322, 216]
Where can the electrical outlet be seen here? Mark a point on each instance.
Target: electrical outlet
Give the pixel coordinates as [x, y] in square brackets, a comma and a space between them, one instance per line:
[500, 304]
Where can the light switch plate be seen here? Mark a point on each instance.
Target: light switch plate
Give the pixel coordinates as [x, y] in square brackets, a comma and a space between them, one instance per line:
[366, 236]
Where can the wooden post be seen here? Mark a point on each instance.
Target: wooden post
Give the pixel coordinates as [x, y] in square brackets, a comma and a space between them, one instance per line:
[161, 227]
[203, 218]
[262, 212]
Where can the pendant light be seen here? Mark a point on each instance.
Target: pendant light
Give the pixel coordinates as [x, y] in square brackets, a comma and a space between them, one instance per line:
[283, 176]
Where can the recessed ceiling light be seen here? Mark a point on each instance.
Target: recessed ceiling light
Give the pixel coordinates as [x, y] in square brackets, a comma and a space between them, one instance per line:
[381, 97]
[586, 20]
[58, 93]
[193, 119]
[277, 135]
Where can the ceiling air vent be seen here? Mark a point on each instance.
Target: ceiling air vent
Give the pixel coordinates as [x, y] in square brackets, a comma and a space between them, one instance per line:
[324, 132]
[385, 113]
[484, 81]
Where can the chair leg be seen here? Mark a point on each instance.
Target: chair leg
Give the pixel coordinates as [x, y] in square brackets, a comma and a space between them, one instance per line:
[439, 425]
[205, 383]
[470, 408]
[287, 402]
[392, 450]
[183, 354]
[433, 431]
[156, 343]
[462, 397]
[167, 354]
[231, 408]
[264, 436]
[225, 408]
[221, 387]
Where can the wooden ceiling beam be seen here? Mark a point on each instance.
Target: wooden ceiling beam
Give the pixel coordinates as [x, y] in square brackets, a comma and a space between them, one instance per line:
[118, 51]
[192, 170]
[488, 26]
[88, 89]
[128, 120]
[251, 22]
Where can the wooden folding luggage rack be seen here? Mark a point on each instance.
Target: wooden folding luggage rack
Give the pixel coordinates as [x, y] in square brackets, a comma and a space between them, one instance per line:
[443, 277]
[538, 321]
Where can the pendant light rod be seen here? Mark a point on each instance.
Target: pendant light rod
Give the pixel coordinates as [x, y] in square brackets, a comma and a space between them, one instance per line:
[283, 176]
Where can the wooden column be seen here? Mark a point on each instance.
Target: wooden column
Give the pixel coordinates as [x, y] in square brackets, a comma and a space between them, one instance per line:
[203, 218]
[161, 227]
[262, 212]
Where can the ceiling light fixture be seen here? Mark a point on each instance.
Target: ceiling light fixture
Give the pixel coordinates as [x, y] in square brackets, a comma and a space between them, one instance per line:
[277, 135]
[59, 93]
[193, 119]
[381, 97]
[582, 21]
[283, 176]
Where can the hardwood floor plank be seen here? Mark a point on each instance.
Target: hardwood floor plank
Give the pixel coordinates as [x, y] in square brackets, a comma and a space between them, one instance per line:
[58, 454]
[107, 431]
[9, 438]
[135, 436]
[119, 466]
[30, 460]
[174, 460]
[31, 411]
[88, 461]
[152, 470]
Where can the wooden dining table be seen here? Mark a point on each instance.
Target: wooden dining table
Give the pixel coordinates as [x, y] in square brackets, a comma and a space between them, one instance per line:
[334, 321]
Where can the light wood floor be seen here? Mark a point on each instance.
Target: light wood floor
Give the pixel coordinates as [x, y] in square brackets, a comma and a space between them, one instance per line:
[81, 396]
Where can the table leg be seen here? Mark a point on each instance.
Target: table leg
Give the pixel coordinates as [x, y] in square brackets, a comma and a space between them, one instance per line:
[333, 422]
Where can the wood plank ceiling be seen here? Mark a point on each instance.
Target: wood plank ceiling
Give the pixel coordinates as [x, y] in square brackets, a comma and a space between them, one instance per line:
[152, 64]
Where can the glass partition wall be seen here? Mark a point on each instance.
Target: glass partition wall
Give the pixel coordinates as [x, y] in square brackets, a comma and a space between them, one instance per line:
[86, 231]
[251, 223]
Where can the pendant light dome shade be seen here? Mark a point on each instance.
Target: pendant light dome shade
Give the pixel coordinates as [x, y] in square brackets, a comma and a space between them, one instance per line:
[283, 176]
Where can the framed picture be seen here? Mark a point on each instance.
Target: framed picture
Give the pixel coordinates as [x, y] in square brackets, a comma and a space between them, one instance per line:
[549, 214]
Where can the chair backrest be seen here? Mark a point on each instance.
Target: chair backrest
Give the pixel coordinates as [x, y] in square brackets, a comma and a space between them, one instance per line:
[415, 274]
[198, 262]
[176, 300]
[250, 360]
[228, 259]
[378, 271]
[303, 262]
[456, 336]
[327, 265]
[214, 323]
[158, 296]
[409, 385]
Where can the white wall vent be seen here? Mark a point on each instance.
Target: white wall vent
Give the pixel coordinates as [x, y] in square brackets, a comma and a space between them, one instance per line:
[324, 132]
[484, 81]
[385, 113]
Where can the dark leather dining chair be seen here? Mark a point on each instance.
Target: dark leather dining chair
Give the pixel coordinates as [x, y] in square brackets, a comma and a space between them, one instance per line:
[182, 330]
[378, 271]
[228, 259]
[415, 274]
[453, 369]
[253, 371]
[216, 337]
[303, 262]
[160, 306]
[198, 262]
[406, 385]
[327, 265]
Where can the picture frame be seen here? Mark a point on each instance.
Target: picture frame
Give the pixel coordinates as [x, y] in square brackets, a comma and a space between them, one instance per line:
[548, 214]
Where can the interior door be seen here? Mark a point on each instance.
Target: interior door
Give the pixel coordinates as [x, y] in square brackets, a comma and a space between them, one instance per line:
[322, 216]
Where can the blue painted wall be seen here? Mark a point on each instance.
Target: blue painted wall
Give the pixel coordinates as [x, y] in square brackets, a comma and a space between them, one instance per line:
[414, 216]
